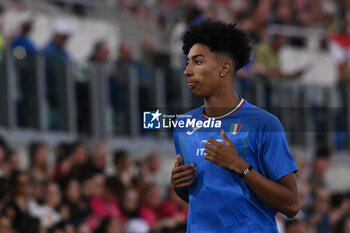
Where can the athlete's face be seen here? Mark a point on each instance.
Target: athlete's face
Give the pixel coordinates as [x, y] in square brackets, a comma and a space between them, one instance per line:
[203, 71]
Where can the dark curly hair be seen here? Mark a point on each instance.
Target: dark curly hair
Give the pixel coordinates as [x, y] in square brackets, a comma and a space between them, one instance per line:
[221, 38]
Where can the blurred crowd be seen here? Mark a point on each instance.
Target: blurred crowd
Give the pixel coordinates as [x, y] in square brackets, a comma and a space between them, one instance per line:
[321, 210]
[75, 195]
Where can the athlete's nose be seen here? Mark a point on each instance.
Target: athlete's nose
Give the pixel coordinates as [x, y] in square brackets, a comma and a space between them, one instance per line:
[188, 71]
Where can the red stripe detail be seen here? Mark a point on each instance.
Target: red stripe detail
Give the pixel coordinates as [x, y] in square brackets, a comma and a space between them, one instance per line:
[239, 127]
[219, 118]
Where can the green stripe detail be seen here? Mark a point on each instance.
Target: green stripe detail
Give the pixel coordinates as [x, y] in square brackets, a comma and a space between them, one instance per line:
[229, 112]
[232, 126]
[182, 149]
[245, 146]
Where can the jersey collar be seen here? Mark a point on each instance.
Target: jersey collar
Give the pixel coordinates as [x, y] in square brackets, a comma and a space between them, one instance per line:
[233, 110]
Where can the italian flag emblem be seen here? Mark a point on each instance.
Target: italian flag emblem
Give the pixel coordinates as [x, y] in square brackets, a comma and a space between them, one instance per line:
[235, 127]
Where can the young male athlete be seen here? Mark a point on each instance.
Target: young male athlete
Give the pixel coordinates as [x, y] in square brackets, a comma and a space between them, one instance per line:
[236, 176]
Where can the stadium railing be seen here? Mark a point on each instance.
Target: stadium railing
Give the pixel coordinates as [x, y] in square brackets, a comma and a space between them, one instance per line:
[89, 106]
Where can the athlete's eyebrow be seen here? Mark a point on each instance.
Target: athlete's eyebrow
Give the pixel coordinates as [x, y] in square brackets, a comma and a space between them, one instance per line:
[195, 56]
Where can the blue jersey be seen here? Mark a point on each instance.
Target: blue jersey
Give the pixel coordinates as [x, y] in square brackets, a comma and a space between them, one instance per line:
[220, 201]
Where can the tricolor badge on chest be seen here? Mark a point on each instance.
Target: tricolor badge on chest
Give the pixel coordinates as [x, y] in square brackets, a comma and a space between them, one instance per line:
[235, 127]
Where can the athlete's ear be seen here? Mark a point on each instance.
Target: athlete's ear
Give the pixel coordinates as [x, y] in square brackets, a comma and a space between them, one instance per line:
[226, 68]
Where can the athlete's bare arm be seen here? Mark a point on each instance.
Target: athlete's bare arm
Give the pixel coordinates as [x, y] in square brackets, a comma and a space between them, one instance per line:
[281, 195]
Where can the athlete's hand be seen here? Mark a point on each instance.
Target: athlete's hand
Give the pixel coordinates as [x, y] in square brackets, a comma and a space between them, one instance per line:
[224, 155]
[182, 175]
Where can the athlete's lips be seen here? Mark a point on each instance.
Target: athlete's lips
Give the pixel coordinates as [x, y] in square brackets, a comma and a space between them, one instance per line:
[192, 84]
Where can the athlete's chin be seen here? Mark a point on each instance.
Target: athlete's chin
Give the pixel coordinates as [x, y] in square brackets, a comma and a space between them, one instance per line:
[199, 93]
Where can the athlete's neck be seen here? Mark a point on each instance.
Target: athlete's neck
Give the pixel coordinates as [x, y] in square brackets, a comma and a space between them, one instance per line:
[219, 105]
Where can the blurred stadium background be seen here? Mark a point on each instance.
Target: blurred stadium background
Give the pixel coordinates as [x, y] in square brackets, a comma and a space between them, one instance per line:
[75, 76]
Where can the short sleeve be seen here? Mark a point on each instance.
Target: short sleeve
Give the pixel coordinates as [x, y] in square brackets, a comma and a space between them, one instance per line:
[276, 157]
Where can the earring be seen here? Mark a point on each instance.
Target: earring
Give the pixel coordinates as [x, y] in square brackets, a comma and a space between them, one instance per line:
[221, 75]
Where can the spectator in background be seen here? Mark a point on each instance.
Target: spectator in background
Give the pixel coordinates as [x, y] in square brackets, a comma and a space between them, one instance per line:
[304, 197]
[14, 161]
[119, 86]
[74, 203]
[244, 80]
[47, 213]
[340, 50]
[128, 69]
[124, 167]
[3, 148]
[83, 228]
[320, 165]
[285, 14]
[80, 166]
[176, 56]
[110, 225]
[98, 159]
[339, 45]
[6, 224]
[39, 168]
[73, 163]
[107, 205]
[5, 195]
[38, 189]
[343, 225]
[24, 53]
[5, 167]
[347, 200]
[150, 210]
[3, 164]
[267, 65]
[99, 73]
[149, 168]
[63, 227]
[339, 207]
[144, 66]
[173, 206]
[176, 209]
[56, 47]
[130, 204]
[64, 162]
[100, 53]
[16, 5]
[24, 46]
[154, 66]
[96, 184]
[194, 15]
[296, 226]
[57, 60]
[318, 214]
[17, 209]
